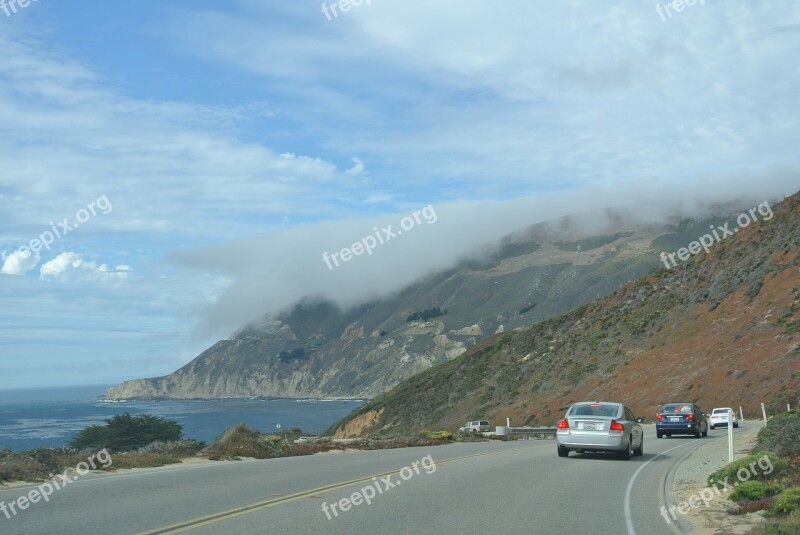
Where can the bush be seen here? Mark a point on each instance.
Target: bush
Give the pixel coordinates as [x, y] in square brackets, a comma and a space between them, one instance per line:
[124, 432]
[787, 502]
[758, 472]
[240, 441]
[436, 435]
[781, 434]
[753, 490]
[144, 460]
[178, 448]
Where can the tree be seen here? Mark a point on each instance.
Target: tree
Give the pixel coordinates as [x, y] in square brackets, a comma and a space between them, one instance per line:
[124, 432]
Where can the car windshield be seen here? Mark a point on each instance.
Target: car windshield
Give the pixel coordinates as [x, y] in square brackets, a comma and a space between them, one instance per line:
[721, 411]
[595, 409]
[677, 407]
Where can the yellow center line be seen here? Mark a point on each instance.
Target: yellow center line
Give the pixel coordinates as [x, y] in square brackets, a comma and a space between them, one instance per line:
[186, 525]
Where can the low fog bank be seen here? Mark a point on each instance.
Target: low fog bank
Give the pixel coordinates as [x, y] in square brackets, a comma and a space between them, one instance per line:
[271, 272]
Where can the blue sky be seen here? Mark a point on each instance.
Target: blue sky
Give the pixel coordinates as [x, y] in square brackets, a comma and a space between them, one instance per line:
[210, 152]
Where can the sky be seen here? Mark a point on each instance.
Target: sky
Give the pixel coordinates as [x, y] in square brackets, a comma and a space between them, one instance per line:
[170, 170]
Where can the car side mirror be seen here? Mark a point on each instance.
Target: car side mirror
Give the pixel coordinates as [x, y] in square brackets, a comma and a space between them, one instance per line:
[639, 420]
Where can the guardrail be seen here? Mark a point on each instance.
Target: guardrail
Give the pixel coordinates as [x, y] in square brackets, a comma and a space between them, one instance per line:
[502, 430]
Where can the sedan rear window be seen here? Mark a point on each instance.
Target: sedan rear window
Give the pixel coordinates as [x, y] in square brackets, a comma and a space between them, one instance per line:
[683, 408]
[595, 409]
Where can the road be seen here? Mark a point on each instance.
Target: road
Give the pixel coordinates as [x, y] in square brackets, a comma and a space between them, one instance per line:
[473, 488]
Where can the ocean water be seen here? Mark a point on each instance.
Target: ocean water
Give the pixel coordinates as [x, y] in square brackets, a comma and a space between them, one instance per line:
[37, 418]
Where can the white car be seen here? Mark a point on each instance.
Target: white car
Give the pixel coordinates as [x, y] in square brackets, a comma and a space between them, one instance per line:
[478, 426]
[719, 416]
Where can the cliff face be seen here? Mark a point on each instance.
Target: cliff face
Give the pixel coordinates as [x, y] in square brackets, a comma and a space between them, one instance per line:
[723, 329]
[318, 350]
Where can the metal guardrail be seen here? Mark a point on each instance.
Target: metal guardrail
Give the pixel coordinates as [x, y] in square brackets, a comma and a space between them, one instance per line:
[527, 431]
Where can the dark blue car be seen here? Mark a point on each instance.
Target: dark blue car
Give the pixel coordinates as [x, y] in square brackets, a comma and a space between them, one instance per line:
[681, 419]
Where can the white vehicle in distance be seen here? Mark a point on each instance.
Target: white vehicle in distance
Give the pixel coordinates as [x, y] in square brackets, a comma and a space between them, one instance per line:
[719, 416]
[478, 426]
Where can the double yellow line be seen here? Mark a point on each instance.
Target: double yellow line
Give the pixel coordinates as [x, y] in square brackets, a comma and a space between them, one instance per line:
[186, 525]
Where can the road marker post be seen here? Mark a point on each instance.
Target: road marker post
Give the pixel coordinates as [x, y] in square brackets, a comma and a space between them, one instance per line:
[730, 435]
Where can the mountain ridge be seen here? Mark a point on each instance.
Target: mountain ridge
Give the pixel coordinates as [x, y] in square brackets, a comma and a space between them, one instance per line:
[722, 328]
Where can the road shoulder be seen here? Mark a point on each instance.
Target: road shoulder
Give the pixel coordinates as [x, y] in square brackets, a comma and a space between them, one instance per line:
[690, 478]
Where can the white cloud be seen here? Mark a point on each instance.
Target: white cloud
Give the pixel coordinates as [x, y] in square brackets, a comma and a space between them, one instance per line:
[357, 168]
[19, 262]
[69, 267]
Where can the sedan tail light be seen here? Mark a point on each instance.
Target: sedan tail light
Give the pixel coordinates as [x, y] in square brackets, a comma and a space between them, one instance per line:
[563, 424]
[659, 416]
[690, 416]
[616, 426]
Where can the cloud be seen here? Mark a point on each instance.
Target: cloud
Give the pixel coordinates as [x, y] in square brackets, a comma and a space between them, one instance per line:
[69, 267]
[270, 272]
[19, 262]
[357, 168]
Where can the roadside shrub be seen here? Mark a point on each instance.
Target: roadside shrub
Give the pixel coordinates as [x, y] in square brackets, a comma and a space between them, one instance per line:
[753, 466]
[779, 526]
[177, 448]
[144, 460]
[753, 490]
[787, 502]
[240, 441]
[781, 434]
[436, 435]
[745, 507]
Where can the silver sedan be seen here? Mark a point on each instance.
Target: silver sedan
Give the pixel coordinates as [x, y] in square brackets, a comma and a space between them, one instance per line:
[599, 426]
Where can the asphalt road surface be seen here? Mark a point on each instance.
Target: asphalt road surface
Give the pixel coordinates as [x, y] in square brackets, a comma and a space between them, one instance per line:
[475, 488]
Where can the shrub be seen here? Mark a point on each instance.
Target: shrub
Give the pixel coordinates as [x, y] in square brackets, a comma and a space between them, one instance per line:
[240, 441]
[757, 472]
[144, 460]
[177, 448]
[787, 502]
[753, 490]
[781, 434]
[436, 435]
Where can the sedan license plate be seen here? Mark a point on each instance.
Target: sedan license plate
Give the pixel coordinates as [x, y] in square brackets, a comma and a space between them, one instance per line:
[675, 419]
[588, 427]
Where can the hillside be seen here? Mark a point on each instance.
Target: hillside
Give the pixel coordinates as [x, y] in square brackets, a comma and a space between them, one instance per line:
[721, 329]
[317, 350]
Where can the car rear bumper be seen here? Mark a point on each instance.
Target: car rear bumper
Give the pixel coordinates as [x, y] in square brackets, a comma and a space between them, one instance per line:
[678, 428]
[572, 441]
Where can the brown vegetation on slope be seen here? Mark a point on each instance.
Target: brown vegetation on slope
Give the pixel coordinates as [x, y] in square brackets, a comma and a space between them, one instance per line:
[723, 329]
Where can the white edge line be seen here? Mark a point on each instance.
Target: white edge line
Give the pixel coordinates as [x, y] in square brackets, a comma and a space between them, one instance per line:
[629, 489]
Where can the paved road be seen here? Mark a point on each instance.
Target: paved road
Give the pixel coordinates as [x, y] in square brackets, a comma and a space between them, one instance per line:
[478, 488]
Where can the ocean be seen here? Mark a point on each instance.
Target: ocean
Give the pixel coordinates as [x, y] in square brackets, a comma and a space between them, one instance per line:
[50, 417]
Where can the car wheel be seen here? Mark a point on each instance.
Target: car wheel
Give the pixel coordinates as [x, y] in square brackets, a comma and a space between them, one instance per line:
[735, 426]
[705, 433]
[562, 452]
[697, 433]
[712, 428]
[640, 450]
[659, 434]
[628, 453]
